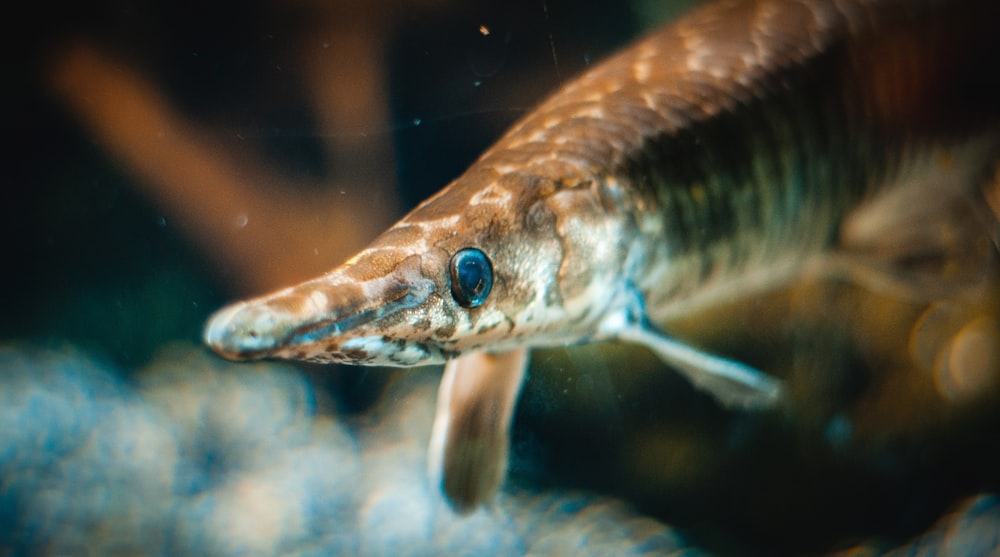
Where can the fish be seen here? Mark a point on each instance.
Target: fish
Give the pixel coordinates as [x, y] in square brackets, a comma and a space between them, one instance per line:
[742, 145]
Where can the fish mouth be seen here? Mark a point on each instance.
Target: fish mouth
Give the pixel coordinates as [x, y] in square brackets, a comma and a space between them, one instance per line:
[220, 335]
[310, 315]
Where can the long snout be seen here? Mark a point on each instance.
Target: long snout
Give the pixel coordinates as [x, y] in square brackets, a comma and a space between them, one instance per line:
[324, 312]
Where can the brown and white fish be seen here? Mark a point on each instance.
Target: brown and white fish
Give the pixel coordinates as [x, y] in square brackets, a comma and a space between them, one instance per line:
[720, 155]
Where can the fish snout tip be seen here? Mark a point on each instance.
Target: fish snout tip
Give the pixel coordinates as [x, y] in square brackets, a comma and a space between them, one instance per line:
[240, 332]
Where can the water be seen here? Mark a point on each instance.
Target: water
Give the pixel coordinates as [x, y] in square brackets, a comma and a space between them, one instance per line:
[161, 164]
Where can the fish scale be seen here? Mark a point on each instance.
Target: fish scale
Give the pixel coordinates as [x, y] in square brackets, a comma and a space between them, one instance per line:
[719, 156]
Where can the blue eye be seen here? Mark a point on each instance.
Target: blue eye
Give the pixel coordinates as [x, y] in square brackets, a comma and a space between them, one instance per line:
[471, 277]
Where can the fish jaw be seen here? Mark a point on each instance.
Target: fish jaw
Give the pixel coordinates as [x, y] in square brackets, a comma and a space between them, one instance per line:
[334, 319]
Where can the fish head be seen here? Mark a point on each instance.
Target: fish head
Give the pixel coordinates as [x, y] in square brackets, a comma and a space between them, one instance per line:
[492, 262]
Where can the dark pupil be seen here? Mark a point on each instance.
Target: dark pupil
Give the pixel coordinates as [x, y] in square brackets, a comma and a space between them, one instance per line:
[471, 277]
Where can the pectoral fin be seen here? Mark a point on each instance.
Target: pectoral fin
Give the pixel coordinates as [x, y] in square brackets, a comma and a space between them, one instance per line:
[732, 383]
[471, 434]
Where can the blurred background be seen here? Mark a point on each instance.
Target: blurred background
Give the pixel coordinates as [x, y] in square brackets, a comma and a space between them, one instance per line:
[164, 158]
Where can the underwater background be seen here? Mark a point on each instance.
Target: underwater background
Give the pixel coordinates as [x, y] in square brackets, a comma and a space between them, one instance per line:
[163, 158]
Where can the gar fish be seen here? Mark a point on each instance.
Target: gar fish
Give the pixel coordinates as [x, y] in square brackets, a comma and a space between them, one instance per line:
[720, 155]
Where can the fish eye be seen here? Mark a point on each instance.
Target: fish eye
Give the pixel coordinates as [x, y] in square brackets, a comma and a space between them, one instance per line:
[471, 277]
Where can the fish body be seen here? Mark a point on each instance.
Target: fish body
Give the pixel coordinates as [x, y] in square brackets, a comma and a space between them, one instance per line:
[713, 158]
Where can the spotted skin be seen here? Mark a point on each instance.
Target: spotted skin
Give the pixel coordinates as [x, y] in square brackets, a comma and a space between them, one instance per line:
[723, 151]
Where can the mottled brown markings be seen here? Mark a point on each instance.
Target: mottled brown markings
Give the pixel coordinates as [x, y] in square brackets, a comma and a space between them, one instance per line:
[511, 324]
[401, 235]
[446, 331]
[456, 198]
[355, 354]
[375, 264]
[693, 97]
[636, 118]
[287, 304]
[493, 194]
[488, 327]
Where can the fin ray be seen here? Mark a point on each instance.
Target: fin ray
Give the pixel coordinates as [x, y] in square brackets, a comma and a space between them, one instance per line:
[734, 384]
[471, 435]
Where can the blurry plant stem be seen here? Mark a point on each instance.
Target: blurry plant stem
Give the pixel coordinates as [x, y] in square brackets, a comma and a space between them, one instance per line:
[257, 231]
